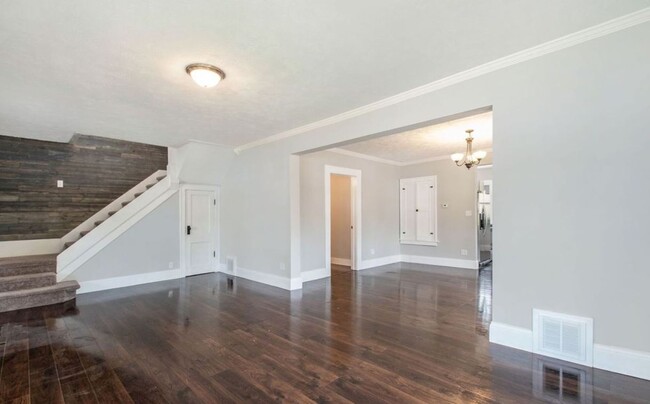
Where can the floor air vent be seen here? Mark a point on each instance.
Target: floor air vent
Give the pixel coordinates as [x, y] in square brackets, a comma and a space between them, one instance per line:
[562, 336]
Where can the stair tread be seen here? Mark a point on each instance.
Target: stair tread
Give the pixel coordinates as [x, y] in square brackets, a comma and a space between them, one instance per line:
[74, 285]
[162, 177]
[27, 276]
[111, 213]
[27, 259]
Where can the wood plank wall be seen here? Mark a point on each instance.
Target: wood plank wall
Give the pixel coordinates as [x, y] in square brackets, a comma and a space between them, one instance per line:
[95, 171]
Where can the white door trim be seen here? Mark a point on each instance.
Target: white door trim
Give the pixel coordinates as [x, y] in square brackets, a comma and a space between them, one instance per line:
[356, 215]
[217, 239]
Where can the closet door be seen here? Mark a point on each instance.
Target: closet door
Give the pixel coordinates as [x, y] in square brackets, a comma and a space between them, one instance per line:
[424, 210]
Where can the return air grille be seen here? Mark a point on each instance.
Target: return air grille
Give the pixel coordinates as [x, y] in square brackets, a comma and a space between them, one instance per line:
[563, 336]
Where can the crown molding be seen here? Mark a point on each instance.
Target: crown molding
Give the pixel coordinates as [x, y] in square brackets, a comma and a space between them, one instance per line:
[567, 41]
[391, 162]
[364, 156]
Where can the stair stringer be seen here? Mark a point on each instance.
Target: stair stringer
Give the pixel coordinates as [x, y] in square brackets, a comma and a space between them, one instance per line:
[89, 224]
[88, 246]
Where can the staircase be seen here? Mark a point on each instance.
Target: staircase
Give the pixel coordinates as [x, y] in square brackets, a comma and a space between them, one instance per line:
[31, 282]
[111, 213]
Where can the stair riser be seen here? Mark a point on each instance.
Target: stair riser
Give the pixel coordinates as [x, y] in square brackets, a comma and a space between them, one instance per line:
[44, 299]
[6, 286]
[14, 270]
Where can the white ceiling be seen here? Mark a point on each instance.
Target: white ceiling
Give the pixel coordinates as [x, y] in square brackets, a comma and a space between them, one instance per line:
[435, 141]
[116, 68]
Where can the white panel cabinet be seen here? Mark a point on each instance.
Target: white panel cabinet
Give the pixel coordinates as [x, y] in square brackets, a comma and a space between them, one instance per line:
[418, 214]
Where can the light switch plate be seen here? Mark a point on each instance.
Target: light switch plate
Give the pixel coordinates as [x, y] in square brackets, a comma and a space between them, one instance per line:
[59, 183]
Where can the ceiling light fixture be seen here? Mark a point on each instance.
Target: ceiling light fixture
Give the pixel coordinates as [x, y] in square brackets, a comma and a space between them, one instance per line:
[469, 159]
[205, 75]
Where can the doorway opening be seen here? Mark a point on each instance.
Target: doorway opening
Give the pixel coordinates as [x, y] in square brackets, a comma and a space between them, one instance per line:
[342, 218]
[485, 223]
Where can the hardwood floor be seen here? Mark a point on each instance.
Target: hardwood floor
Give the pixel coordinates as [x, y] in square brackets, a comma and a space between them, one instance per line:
[400, 333]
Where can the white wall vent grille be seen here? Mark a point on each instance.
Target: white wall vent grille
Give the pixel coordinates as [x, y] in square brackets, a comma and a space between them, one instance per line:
[563, 336]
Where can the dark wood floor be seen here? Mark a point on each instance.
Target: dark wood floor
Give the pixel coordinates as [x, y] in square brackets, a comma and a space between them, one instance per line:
[393, 334]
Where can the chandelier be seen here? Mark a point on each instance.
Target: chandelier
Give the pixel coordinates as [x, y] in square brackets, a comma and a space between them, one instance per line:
[469, 159]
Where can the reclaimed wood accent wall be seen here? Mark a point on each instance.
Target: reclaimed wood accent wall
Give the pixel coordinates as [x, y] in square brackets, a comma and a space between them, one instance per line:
[95, 171]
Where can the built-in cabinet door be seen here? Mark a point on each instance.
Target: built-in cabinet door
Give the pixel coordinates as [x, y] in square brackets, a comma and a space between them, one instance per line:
[407, 213]
[418, 210]
[423, 210]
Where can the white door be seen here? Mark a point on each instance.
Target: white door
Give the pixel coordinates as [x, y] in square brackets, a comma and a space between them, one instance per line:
[200, 231]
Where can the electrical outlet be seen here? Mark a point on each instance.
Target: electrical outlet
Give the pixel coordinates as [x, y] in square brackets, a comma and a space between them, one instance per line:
[283, 267]
[171, 264]
[59, 183]
[463, 252]
[372, 251]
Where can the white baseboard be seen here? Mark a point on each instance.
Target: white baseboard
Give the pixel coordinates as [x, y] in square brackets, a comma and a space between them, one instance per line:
[614, 359]
[262, 277]
[440, 261]
[377, 262]
[129, 280]
[514, 337]
[621, 360]
[341, 261]
[19, 248]
[419, 259]
[315, 274]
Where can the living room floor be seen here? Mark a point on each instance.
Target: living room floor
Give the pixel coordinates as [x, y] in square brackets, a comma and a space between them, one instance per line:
[398, 333]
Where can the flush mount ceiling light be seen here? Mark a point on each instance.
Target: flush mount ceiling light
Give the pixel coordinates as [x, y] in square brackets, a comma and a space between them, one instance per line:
[469, 159]
[205, 75]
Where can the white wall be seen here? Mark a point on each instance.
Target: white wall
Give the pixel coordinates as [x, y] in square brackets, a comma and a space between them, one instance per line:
[570, 148]
[379, 205]
[341, 235]
[201, 163]
[150, 245]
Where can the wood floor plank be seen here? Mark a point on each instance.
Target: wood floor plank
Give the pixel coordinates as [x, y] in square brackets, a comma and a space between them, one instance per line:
[401, 333]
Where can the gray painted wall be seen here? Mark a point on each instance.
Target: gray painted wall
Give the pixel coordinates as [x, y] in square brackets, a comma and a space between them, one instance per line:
[379, 204]
[341, 235]
[457, 188]
[570, 159]
[150, 245]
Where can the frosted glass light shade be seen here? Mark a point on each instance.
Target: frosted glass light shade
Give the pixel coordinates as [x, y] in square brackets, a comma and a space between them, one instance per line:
[205, 75]
[457, 157]
[480, 155]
